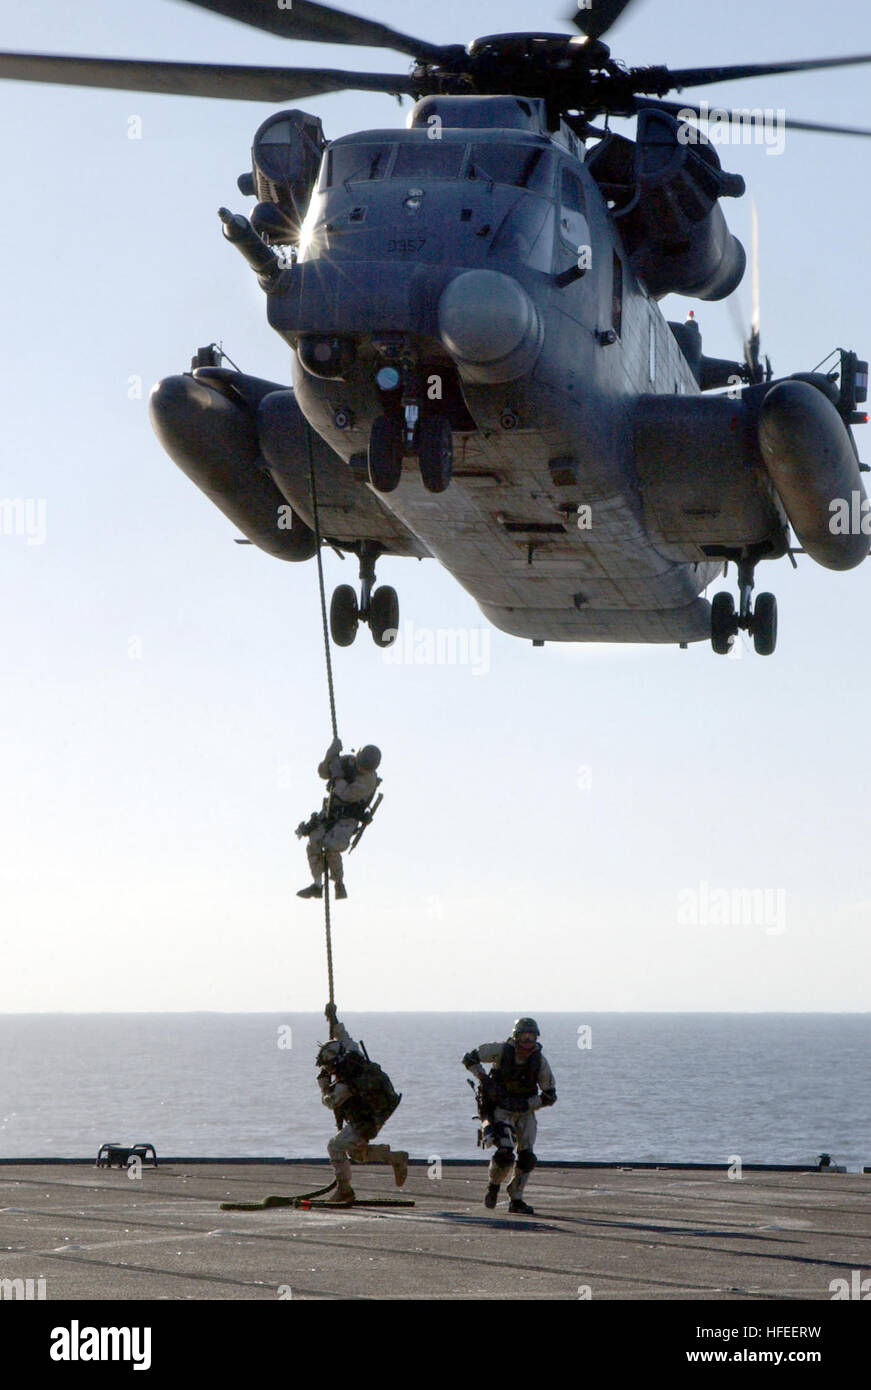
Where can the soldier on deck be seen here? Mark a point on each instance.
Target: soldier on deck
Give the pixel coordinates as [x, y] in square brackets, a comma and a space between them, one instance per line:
[520, 1082]
[362, 1099]
[351, 784]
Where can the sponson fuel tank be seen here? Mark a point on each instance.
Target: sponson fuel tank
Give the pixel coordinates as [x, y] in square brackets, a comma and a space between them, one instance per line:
[213, 439]
[811, 461]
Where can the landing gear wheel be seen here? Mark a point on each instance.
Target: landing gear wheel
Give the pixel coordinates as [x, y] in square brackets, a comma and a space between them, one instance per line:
[344, 616]
[435, 450]
[384, 616]
[765, 624]
[385, 452]
[723, 624]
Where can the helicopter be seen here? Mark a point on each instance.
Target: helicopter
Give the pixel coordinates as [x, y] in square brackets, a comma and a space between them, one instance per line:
[481, 371]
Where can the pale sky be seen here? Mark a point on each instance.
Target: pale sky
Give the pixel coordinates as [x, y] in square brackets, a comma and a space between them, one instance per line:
[547, 812]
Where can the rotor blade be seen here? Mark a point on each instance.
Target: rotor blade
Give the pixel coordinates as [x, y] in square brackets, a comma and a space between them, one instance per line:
[197, 79]
[595, 17]
[736, 313]
[697, 77]
[302, 19]
[677, 108]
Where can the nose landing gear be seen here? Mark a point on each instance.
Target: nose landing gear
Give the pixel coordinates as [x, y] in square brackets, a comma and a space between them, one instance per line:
[760, 620]
[429, 436]
[377, 607]
[435, 451]
[407, 426]
[386, 447]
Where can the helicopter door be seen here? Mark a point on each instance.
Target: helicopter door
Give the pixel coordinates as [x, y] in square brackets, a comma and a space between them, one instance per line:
[574, 247]
[573, 224]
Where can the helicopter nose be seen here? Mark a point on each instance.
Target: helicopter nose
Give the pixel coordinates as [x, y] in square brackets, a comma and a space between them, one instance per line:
[489, 325]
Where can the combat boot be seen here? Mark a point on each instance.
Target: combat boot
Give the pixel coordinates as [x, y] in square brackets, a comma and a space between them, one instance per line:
[344, 1195]
[340, 892]
[518, 1207]
[314, 890]
[492, 1195]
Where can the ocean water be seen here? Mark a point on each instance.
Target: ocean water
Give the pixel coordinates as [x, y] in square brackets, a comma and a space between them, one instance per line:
[770, 1088]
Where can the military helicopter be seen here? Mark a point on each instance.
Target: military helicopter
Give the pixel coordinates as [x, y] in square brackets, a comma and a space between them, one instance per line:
[479, 292]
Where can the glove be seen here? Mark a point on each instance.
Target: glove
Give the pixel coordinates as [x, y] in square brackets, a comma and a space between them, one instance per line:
[547, 1098]
[330, 1013]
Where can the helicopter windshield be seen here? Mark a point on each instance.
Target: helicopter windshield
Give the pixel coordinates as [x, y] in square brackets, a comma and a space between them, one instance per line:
[434, 160]
[521, 166]
[356, 162]
[503, 164]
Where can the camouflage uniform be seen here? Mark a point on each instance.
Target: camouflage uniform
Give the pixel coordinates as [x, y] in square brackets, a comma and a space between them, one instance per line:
[518, 1087]
[358, 1128]
[332, 832]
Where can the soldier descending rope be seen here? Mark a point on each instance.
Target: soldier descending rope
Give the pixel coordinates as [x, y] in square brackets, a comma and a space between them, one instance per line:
[362, 1099]
[351, 784]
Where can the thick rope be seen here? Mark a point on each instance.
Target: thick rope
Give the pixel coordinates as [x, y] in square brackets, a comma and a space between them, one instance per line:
[329, 665]
[317, 529]
[329, 938]
[278, 1201]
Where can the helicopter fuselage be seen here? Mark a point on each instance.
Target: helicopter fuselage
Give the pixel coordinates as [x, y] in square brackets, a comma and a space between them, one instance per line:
[466, 290]
[543, 522]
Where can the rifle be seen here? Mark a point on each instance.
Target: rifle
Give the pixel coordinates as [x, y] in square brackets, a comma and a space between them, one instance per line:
[486, 1106]
[366, 819]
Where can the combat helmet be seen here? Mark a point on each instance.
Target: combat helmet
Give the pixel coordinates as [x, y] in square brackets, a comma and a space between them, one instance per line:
[368, 758]
[525, 1025]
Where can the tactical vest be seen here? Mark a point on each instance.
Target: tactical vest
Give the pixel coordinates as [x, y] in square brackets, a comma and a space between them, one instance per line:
[373, 1099]
[335, 810]
[516, 1080]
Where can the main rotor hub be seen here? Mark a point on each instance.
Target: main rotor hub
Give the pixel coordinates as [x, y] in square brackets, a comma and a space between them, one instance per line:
[568, 72]
[588, 53]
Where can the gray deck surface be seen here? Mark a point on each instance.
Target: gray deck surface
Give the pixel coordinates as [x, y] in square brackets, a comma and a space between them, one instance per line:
[623, 1233]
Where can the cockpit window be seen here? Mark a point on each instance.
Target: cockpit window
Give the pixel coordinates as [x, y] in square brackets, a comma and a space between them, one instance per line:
[434, 160]
[501, 164]
[356, 163]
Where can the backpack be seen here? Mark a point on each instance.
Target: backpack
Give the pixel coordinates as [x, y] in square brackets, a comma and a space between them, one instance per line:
[374, 1099]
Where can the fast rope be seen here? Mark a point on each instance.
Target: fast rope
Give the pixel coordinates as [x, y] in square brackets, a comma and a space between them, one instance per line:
[329, 665]
[316, 518]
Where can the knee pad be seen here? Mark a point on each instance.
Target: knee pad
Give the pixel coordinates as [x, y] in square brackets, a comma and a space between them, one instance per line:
[503, 1158]
[526, 1160]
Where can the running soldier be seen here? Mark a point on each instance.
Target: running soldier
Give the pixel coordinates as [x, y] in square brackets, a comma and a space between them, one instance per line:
[520, 1082]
